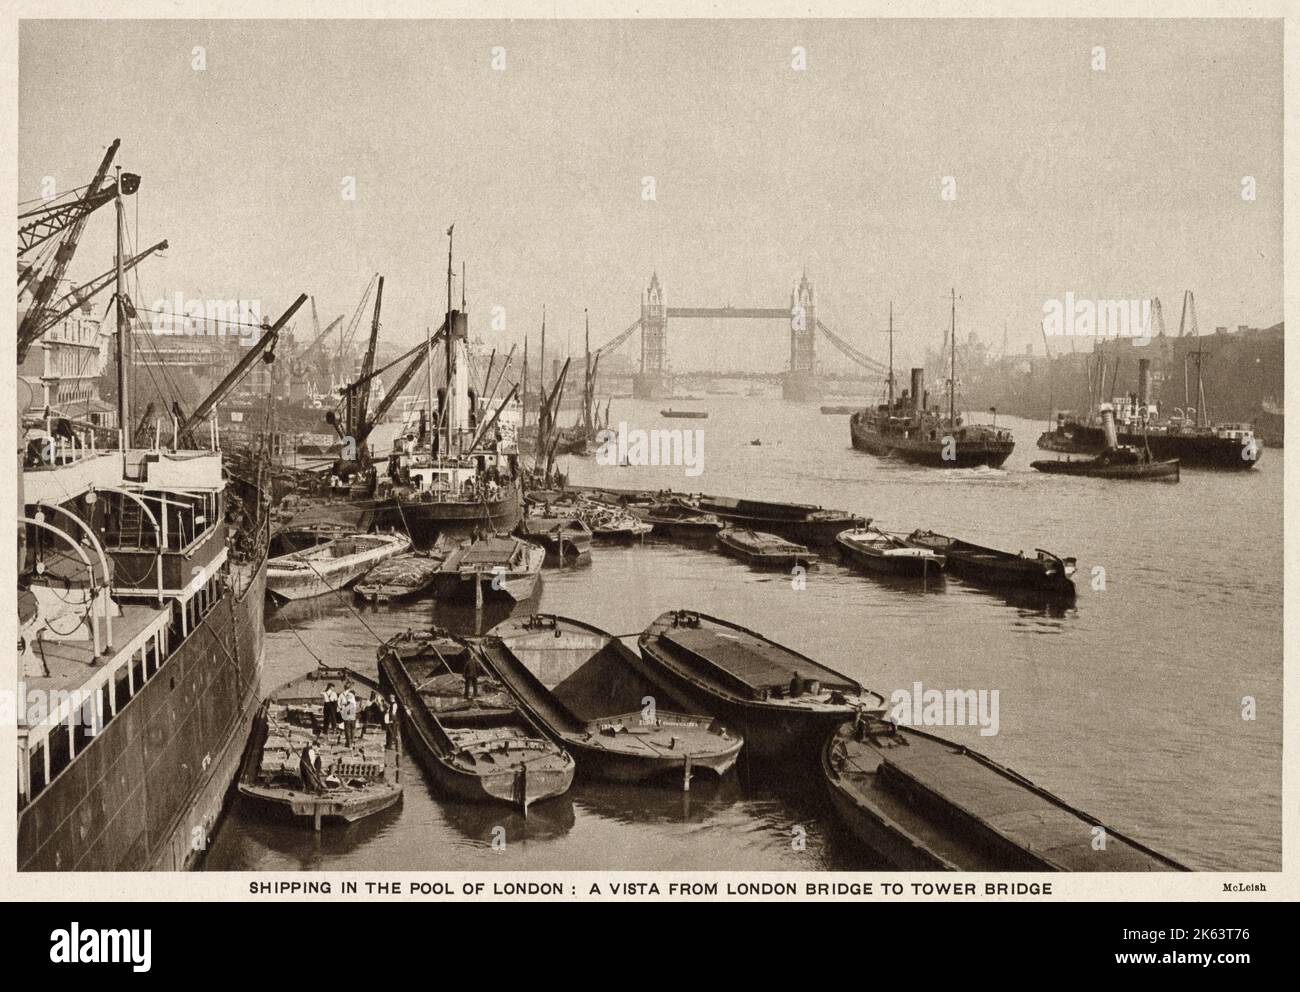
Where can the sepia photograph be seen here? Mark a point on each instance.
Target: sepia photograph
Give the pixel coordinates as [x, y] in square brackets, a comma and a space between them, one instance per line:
[700, 456]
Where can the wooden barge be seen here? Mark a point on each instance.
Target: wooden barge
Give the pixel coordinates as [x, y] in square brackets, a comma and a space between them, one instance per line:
[566, 540]
[764, 550]
[402, 577]
[783, 703]
[585, 688]
[876, 551]
[498, 567]
[330, 567]
[925, 804]
[1045, 572]
[479, 749]
[360, 780]
[802, 523]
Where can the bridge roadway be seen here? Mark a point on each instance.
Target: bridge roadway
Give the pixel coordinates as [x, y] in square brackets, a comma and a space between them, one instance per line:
[763, 313]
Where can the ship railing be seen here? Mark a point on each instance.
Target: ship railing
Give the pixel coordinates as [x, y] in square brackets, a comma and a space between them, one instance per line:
[94, 587]
[67, 720]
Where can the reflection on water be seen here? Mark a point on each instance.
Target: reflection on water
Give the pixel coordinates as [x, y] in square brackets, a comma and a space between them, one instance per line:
[1125, 701]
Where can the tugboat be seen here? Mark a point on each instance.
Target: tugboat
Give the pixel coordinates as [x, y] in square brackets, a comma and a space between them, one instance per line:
[909, 429]
[1187, 436]
[1116, 461]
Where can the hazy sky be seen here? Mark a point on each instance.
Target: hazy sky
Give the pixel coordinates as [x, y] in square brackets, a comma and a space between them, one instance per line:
[1117, 184]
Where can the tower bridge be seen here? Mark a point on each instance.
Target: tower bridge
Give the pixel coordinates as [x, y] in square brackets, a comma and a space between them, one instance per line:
[798, 382]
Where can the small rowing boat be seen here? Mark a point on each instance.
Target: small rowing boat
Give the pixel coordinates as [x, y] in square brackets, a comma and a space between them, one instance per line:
[496, 567]
[478, 748]
[926, 804]
[764, 550]
[331, 566]
[1044, 572]
[355, 781]
[877, 551]
[782, 702]
[586, 689]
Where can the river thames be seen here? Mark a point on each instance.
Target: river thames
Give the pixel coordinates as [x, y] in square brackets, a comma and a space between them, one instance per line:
[1153, 701]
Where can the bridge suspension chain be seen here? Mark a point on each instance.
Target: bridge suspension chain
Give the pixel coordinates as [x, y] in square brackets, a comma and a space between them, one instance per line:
[615, 342]
[852, 353]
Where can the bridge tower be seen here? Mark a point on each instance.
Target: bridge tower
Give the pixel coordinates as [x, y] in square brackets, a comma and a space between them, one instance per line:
[800, 382]
[654, 381]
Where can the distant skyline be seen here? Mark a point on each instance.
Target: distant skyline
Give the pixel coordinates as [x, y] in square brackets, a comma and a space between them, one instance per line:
[1117, 184]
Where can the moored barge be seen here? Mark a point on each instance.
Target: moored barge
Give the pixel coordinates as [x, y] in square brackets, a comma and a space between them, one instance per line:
[585, 688]
[927, 804]
[478, 747]
[359, 779]
[782, 702]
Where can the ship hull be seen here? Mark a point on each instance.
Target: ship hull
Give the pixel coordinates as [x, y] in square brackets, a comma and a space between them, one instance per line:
[1095, 469]
[507, 587]
[426, 522]
[148, 791]
[930, 454]
[1191, 451]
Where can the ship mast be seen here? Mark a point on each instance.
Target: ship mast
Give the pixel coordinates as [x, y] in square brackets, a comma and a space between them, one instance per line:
[428, 385]
[523, 389]
[891, 358]
[123, 343]
[952, 366]
[448, 404]
[1200, 385]
[587, 386]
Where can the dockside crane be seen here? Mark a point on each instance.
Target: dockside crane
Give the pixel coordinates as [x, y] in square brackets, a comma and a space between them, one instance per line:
[320, 336]
[74, 298]
[421, 355]
[358, 409]
[258, 349]
[66, 220]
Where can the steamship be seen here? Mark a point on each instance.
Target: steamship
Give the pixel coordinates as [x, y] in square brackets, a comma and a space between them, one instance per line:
[909, 428]
[140, 655]
[1185, 435]
[141, 584]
